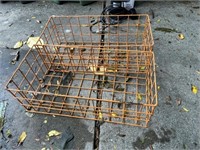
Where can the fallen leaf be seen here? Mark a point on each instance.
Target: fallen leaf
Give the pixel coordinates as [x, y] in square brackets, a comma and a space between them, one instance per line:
[198, 72]
[53, 133]
[194, 89]
[45, 121]
[100, 115]
[44, 148]
[33, 17]
[21, 138]
[33, 40]
[139, 96]
[114, 115]
[158, 87]
[18, 45]
[185, 109]
[181, 36]
[142, 68]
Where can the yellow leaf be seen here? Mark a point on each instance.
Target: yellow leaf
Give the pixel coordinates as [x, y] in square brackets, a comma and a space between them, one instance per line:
[114, 114]
[142, 68]
[44, 148]
[33, 40]
[194, 89]
[185, 109]
[53, 133]
[33, 17]
[100, 115]
[139, 96]
[21, 138]
[45, 121]
[198, 72]
[18, 45]
[158, 87]
[181, 36]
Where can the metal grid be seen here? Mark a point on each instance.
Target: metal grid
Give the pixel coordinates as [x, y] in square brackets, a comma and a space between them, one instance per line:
[98, 80]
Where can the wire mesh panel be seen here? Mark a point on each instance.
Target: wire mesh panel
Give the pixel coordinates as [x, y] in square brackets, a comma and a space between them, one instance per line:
[75, 72]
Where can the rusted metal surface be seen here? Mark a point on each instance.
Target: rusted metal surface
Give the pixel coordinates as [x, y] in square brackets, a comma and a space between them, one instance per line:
[64, 73]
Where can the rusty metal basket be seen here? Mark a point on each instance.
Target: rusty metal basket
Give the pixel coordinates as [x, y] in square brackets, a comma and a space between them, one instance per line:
[102, 76]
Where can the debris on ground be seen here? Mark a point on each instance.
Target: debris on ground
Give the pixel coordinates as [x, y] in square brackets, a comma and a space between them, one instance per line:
[168, 100]
[53, 133]
[121, 135]
[3, 105]
[158, 21]
[181, 36]
[139, 96]
[21, 138]
[45, 121]
[194, 89]
[16, 58]
[184, 109]
[38, 21]
[178, 101]
[18, 45]
[33, 40]
[8, 133]
[168, 30]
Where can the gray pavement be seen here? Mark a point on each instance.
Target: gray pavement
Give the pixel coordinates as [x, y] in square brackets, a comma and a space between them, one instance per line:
[177, 65]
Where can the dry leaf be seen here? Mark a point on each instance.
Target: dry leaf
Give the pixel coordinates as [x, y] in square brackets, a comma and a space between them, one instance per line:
[18, 45]
[198, 72]
[100, 115]
[21, 138]
[142, 68]
[181, 36]
[158, 87]
[114, 115]
[139, 96]
[33, 40]
[33, 17]
[53, 133]
[45, 121]
[194, 89]
[185, 109]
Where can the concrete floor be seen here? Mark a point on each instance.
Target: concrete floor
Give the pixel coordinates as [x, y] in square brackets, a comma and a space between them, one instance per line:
[177, 65]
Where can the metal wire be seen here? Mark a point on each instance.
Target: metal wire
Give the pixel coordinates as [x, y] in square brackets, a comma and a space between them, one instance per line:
[70, 66]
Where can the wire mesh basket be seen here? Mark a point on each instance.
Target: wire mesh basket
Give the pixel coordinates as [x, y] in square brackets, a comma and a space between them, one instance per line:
[107, 75]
